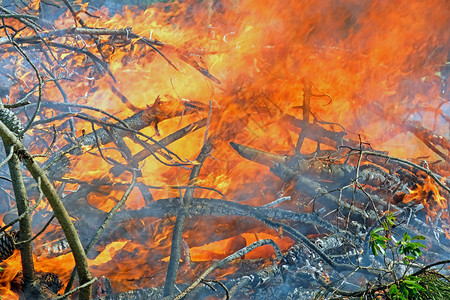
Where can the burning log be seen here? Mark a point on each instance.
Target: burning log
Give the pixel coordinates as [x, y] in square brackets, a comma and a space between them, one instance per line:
[301, 168]
[152, 115]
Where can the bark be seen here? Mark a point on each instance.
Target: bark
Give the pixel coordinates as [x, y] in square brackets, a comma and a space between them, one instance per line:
[57, 206]
[25, 233]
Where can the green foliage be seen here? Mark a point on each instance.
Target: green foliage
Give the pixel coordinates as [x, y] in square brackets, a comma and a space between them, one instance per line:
[428, 285]
[378, 242]
[380, 239]
[393, 282]
[409, 286]
[410, 249]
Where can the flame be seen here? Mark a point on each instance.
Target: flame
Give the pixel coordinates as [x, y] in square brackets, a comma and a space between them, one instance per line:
[370, 66]
[428, 194]
[11, 267]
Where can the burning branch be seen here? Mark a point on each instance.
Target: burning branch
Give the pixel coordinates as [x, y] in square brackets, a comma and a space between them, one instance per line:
[306, 107]
[225, 261]
[175, 251]
[102, 227]
[125, 33]
[58, 207]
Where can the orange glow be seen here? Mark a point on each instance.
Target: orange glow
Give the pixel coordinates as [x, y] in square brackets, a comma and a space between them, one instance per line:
[223, 248]
[11, 267]
[370, 65]
[428, 194]
[107, 254]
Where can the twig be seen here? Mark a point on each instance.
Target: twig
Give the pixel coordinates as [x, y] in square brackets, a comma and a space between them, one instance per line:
[430, 266]
[18, 16]
[105, 223]
[17, 104]
[50, 35]
[434, 176]
[29, 210]
[26, 21]
[208, 121]
[81, 287]
[182, 187]
[278, 201]
[61, 91]
[225, 261]
[58, 207]
[306, 112]
[175, 251]
[11, 152]
[167, 140]
[227, 292]
[40, 231]
[38, 76]
[375, 288]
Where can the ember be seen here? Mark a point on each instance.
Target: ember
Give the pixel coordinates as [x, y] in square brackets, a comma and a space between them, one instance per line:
[223, 148]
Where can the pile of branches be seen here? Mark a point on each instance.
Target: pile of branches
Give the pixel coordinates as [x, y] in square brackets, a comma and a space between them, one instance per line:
[347, 190]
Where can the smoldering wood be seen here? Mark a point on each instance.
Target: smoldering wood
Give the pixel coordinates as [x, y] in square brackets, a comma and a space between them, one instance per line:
[241, 210]
[318, 165]
[294, 269]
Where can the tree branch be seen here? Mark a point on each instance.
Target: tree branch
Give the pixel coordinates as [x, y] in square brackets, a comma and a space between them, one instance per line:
[58, 207]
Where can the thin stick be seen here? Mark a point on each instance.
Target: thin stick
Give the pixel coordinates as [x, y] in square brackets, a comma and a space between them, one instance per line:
[175, 251]
[208, 121]
[105, 223]
[11, 152]
[406, 162]
[58, 207]
[227, 292]
[227, 260]
[18, 16]
[17, 104]
[38, 76]
[278, 201]
[40, 231]
[29, 210]
[306, 112]
[83, 286]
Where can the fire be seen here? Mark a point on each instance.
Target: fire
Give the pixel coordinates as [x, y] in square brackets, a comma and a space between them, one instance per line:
[10, 267]
[370, 66]
[428, 194]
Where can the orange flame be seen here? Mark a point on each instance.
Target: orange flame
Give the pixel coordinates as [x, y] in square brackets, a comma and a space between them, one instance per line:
[428, 194]
[370, 65]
